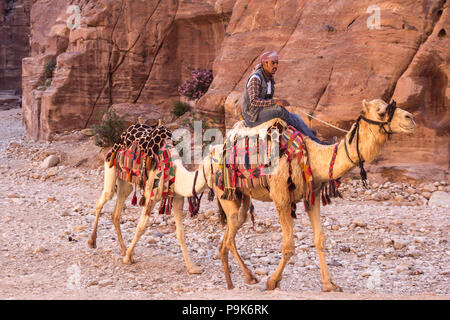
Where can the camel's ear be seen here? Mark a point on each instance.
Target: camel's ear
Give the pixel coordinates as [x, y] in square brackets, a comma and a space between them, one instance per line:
[365, 106]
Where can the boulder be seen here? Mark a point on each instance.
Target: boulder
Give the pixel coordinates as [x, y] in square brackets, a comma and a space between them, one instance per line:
[50, 161]
[439, 199]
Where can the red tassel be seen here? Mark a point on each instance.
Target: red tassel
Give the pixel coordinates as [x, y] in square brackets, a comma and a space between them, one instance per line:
[134, 200]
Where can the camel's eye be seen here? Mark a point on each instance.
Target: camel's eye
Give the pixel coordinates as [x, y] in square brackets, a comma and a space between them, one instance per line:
[382, 114]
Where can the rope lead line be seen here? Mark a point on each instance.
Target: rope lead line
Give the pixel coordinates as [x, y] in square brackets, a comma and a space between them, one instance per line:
[324, 122]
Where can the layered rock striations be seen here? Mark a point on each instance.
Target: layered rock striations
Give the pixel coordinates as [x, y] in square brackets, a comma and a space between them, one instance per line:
[333, 54]
[122, 52]
[14, 42]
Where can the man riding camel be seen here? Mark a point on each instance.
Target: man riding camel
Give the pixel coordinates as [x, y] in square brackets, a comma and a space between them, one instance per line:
[258, 104]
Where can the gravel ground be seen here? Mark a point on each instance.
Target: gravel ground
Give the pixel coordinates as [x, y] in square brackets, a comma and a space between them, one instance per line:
[383, 243]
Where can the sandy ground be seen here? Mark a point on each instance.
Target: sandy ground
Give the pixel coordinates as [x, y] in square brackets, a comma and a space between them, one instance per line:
[375, 249]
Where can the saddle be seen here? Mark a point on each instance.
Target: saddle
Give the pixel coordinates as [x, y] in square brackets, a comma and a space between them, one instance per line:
[246, 152]
[140, 149]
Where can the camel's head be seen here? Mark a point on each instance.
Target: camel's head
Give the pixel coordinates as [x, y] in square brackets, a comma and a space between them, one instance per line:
[397, 120]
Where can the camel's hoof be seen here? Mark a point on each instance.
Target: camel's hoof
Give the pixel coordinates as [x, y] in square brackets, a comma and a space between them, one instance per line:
[230, 286]
[92, 243]
[195, 269]
[128, 260]
[271, 285]
[331, 287]
[252, 280]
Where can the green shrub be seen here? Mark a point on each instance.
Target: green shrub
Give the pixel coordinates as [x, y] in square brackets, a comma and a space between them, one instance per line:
[180, 108]
[49, 67]
[108, 131]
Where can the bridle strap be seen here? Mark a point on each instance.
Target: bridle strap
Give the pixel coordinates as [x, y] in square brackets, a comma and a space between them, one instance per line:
[347, 153]
[390, 109]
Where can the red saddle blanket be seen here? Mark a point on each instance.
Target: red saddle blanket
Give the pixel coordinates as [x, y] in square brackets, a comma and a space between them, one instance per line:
[131, 165]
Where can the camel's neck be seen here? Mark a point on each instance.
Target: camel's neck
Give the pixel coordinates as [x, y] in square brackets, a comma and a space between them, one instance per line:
[184, 180]
[371, 141]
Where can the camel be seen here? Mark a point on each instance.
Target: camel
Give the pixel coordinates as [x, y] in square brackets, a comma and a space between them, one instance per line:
[183, 187]
[370, 132]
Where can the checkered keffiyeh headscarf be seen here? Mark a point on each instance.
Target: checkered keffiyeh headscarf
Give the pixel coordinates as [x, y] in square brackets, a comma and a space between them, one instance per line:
[269, 55]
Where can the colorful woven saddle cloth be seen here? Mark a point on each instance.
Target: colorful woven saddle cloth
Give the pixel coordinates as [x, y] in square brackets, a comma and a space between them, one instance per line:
[248, 155]
[149, 139]
[131, 165]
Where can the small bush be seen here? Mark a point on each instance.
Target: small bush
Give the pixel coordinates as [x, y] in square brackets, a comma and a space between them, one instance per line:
[196, 88]
[180, 108]
[108, 132]
[49, 67]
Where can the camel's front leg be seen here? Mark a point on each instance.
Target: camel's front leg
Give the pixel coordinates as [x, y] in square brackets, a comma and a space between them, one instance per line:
[107, 194]
[178, 214]
[319, 242]
[287, 246]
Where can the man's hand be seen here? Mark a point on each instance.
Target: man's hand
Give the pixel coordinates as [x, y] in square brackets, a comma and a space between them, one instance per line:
[282, 102]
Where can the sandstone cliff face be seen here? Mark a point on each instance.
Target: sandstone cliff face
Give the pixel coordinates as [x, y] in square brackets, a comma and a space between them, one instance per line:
[133, 52]
[123, 52]
[14, 42]
[330, 61]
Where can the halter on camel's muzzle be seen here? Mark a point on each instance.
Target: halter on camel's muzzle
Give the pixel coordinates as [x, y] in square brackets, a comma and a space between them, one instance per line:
[390, 109]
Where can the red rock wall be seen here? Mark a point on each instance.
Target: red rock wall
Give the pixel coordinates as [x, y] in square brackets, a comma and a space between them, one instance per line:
[330, 61]
[136, 52]
[14, 42]
[124, 52]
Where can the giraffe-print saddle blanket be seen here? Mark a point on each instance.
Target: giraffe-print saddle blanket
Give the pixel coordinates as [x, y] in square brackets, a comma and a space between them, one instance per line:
[140, 149]
[148, 139]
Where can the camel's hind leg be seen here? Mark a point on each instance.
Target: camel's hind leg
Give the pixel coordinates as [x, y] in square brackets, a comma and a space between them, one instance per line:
[287, 246]
[236, 216]
[107, 194]
[178, 203]
[319, 242]
[123, 191]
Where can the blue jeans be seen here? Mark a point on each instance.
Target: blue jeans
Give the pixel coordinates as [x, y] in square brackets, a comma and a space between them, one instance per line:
[269, 113]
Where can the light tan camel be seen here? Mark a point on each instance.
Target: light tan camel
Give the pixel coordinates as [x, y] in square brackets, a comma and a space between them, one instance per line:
[371, 139]
[183, 187]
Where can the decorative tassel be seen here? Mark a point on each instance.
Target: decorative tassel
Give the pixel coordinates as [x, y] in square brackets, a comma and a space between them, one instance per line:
[142, 201]
[163, 206]
[134, 199]
[191, 205]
